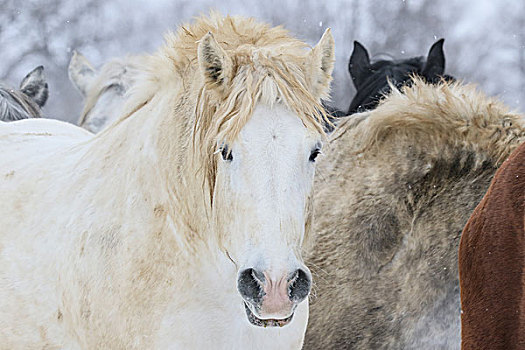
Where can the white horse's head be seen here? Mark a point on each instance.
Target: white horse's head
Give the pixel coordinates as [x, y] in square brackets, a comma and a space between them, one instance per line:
[266, 178]
[263, 175]
[104, 91]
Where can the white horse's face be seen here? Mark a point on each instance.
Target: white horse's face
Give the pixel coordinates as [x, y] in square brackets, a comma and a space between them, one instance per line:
[264, 185]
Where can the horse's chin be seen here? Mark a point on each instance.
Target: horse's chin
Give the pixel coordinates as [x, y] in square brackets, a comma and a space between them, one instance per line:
[270, 322]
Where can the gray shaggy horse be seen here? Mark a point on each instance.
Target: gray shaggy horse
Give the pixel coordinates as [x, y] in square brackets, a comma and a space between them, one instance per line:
[394, 192]
[26, 102]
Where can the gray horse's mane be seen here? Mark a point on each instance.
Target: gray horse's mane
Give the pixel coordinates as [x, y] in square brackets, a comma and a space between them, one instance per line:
[15, 105]
[439, 116]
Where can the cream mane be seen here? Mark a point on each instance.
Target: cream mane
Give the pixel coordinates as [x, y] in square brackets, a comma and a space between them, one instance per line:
[440, 117]
[267, 65]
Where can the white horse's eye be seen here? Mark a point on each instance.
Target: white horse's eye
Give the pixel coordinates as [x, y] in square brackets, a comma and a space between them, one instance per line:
[226, 153]
[315, 152]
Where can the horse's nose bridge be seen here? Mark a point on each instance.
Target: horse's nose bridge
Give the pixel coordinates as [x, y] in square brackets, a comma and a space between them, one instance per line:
[280, 201]
[278, 261]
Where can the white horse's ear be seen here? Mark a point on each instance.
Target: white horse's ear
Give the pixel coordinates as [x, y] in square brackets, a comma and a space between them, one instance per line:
[81, 72]
[214, 62]
[34, 86]
[320, 64]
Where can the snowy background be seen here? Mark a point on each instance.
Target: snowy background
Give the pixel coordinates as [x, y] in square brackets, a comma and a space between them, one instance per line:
[484, 39]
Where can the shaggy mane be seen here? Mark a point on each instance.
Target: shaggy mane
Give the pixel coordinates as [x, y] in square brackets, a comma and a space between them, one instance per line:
[268, 66]
[447, 114]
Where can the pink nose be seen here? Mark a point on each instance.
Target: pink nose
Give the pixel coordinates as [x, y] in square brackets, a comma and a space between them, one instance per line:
[274, 298]
[276, 301]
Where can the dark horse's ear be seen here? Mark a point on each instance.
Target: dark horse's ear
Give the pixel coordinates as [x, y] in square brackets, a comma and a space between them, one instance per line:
[34, 86]
[435, 65]
[359, 64]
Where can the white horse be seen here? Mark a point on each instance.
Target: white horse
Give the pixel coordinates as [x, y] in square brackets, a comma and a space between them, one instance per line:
[104, 90]
[180, 226]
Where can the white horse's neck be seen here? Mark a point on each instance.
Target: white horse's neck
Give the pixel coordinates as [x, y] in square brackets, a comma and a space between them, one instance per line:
[150, 152]
[166, 248]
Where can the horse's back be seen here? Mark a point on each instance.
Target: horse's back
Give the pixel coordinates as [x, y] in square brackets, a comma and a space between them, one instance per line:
[39, 127]
[492, 263]
[24, 142]
[37, 159]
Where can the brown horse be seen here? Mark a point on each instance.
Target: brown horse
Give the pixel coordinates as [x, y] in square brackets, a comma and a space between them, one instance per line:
[492, 264]
[394, 191]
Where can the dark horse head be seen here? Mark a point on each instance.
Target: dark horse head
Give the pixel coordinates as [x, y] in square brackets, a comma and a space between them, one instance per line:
[26, 102]
[371, 79]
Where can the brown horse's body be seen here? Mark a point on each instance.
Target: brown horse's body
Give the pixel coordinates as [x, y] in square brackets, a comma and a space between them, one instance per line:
[492, 264]
[395, 189]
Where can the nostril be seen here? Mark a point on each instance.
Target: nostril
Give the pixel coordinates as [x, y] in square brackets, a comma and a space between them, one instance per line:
[300, 284]
[249, 285]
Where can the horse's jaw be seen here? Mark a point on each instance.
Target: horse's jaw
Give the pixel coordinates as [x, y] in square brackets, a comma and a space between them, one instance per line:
[266, 322]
